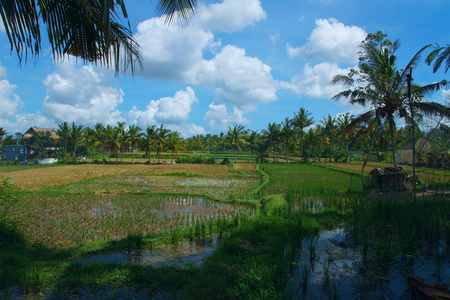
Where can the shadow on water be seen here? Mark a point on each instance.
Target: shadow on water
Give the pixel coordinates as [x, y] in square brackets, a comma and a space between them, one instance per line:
[332, 266]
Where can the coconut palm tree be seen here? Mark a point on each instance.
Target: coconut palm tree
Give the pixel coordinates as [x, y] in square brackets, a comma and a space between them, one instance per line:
[173, 143]
[273, 134]
[113, 139]
[329, 131]
[133, 135]
[149, 139]
[439, 55]
[380, 84]
[63, 133]
[236, 138]
[161, 139]
[2, 133]
[98, 137]
[91, 30]
[76, 136]
[286, 133]
[300, 121]
[252, 138]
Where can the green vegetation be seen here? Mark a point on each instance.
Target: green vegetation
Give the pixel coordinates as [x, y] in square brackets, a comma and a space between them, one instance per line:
[261, 223]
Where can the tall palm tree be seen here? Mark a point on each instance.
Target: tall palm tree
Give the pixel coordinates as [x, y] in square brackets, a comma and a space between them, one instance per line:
[63, 133]
[76, 136]
[329, 129]
[300, 121]
[236, 138]
[91, 30]
[2, 133]
[252, 139]
[161, 139]
[121, 126]
[133, 135]
[273, 134]
[173, 143]
[380, 84]
[149, 140]
[113, 139]
[342, 122]
[99, 138]
[286, 134]
[439, 55]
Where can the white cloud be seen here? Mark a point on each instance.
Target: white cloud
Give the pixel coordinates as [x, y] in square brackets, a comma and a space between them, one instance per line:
[316, 81]
[171, 53]
[82, 95]
[229, 15]
[274, 38]
[173, 112]
[10, 103]
[220, 119]
[331, 41]
[238, 79]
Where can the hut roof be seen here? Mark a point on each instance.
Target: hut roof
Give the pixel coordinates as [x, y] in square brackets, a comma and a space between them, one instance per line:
[389, 171]
[32, 130]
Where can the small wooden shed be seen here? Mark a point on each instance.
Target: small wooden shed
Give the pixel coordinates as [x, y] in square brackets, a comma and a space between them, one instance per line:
[389, 178]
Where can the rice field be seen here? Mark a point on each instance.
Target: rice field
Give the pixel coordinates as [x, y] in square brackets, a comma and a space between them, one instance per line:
[73, 219]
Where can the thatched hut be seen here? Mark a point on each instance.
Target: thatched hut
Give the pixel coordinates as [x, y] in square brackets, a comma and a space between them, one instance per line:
[389, 178]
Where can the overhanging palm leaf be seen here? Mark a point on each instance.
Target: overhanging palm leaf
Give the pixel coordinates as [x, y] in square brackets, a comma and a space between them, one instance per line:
[91, 30]
[440, 55]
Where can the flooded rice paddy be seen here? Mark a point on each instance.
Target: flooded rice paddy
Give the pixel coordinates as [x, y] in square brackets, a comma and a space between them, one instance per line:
[70, 219]
[332, 266]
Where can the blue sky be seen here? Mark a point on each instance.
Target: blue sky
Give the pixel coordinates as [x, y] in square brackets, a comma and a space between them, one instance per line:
[238, 62]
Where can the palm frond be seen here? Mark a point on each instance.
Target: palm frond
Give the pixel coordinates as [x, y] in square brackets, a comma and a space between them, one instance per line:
[432, 109]
[172, 9]
[440, 54]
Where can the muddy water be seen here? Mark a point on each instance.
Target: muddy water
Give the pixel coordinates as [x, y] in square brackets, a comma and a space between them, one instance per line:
[331, 267]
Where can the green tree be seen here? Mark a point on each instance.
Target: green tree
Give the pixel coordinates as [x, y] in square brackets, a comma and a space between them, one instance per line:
[252, 139]
[380, 84]
[2, 133]
[236, 138]
[113, 140]
[161, 139]
[133, 135]
[286, 134]
[300, 121]
[76, 136]
[91, 30]
[63, 133]
[173, 144]
[149, 139]
[273, 133]
[99, 138]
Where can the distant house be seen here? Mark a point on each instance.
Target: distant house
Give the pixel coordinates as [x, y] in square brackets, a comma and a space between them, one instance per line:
[15, 152]
[29, 133]
[405, 154]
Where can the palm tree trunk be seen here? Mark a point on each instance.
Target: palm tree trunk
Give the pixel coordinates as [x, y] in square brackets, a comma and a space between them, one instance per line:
[132, 162]
[301, 145]
[234, 154]
[391, 131]
[171, 158]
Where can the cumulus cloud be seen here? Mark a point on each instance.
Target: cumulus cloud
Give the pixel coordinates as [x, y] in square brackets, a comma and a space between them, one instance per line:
[9, 102]
[330, 41]
[229, 15]
[173, 112]
[238, 79]
[316, 80]
[219, 117]
[171, 53]
[82, 95]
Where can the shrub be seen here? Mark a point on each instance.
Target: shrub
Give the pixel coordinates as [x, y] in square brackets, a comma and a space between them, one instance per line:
[225, 161]
[195, 159]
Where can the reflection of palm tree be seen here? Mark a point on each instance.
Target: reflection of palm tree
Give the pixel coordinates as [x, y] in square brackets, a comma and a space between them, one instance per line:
[300, 121]
[384, 87]
[236, 136]
[90, 30]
